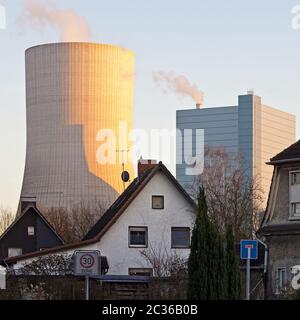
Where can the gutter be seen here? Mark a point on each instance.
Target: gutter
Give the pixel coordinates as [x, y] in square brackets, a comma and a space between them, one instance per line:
[283, 161]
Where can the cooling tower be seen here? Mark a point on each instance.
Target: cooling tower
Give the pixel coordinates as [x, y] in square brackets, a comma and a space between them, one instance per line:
[74, 91]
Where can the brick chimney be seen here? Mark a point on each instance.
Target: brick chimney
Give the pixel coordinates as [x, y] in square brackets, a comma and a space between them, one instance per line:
[26, 203]
[145, 164]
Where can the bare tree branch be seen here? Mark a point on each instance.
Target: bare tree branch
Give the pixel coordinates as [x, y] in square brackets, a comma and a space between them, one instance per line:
[74, 224]
[163, 262]
[232, 196]
[6, 219]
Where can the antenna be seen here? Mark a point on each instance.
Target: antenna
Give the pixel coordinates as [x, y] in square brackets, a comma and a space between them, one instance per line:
[125, 176]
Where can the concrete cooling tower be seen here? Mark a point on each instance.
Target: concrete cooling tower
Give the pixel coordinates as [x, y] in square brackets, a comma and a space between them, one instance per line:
[73, 91]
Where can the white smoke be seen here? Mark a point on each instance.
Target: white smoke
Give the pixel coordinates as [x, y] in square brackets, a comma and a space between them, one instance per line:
[179, 84]
[69, 25]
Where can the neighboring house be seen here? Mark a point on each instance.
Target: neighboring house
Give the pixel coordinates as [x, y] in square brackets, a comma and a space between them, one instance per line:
[154, 215]
[280, 228]
[28, 233]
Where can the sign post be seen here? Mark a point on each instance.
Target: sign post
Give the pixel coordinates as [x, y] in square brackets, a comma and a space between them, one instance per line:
[87, 263]
[87, 288]
[248, 252]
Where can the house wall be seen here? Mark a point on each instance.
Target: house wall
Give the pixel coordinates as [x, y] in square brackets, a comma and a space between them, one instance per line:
[283, 253]
[177, 212]
[281, 211]
[17, 236]
[284, 249]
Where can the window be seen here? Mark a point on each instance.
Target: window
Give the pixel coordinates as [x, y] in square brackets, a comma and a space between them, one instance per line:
[295, 209]
[281, 279]
[180, 237]
[157, 202]
[13, 252]
[138, 237]
[30, 231]
[295, 178]
[147, 272]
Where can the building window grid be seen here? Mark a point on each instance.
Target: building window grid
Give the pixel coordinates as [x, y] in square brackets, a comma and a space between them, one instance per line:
[158, 202]
[294, 206]
[281, 280]
[137, 237]
[180, 237]
[295, 209]
[147, 272]
[295, 178]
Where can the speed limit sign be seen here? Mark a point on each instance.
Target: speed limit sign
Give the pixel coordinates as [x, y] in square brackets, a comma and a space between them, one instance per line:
[86, 263]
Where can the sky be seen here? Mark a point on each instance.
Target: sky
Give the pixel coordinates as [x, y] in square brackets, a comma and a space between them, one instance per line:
[224, 47]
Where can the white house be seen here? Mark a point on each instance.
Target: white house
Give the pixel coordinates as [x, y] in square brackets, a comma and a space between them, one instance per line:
[154, 215]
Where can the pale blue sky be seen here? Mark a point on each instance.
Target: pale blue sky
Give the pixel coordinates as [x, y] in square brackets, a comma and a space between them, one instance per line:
[224, 47]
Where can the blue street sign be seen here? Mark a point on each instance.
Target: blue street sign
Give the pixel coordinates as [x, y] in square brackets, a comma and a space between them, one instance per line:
[247, 245]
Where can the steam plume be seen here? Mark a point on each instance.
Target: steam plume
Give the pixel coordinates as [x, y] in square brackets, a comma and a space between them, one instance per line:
[179, 84]
[69, 25]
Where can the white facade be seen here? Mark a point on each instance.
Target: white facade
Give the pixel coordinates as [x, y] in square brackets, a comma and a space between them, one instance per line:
[177, 212]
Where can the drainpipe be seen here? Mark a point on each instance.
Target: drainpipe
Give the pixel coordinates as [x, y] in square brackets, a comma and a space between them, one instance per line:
[265, 266]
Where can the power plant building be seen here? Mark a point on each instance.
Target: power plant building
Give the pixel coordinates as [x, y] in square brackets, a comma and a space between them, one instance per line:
[251, 129]
[77, 94]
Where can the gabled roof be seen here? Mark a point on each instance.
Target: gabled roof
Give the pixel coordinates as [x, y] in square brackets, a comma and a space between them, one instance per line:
[290, 154]
[28, 210]
[119, 206]
[113, 213]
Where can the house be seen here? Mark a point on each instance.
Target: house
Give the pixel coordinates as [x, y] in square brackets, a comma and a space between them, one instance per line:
[280, 228]
[28, 233]
[152, 219]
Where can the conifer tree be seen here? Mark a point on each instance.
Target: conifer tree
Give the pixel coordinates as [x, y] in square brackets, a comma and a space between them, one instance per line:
[207, 264]
[232, 267]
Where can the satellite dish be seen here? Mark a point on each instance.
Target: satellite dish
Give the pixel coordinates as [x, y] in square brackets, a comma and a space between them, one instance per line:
[125, 176]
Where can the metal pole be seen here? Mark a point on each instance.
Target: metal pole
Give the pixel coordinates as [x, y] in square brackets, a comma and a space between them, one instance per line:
[123, 166]
[87, 287]
[265, 266]
[248, 275]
